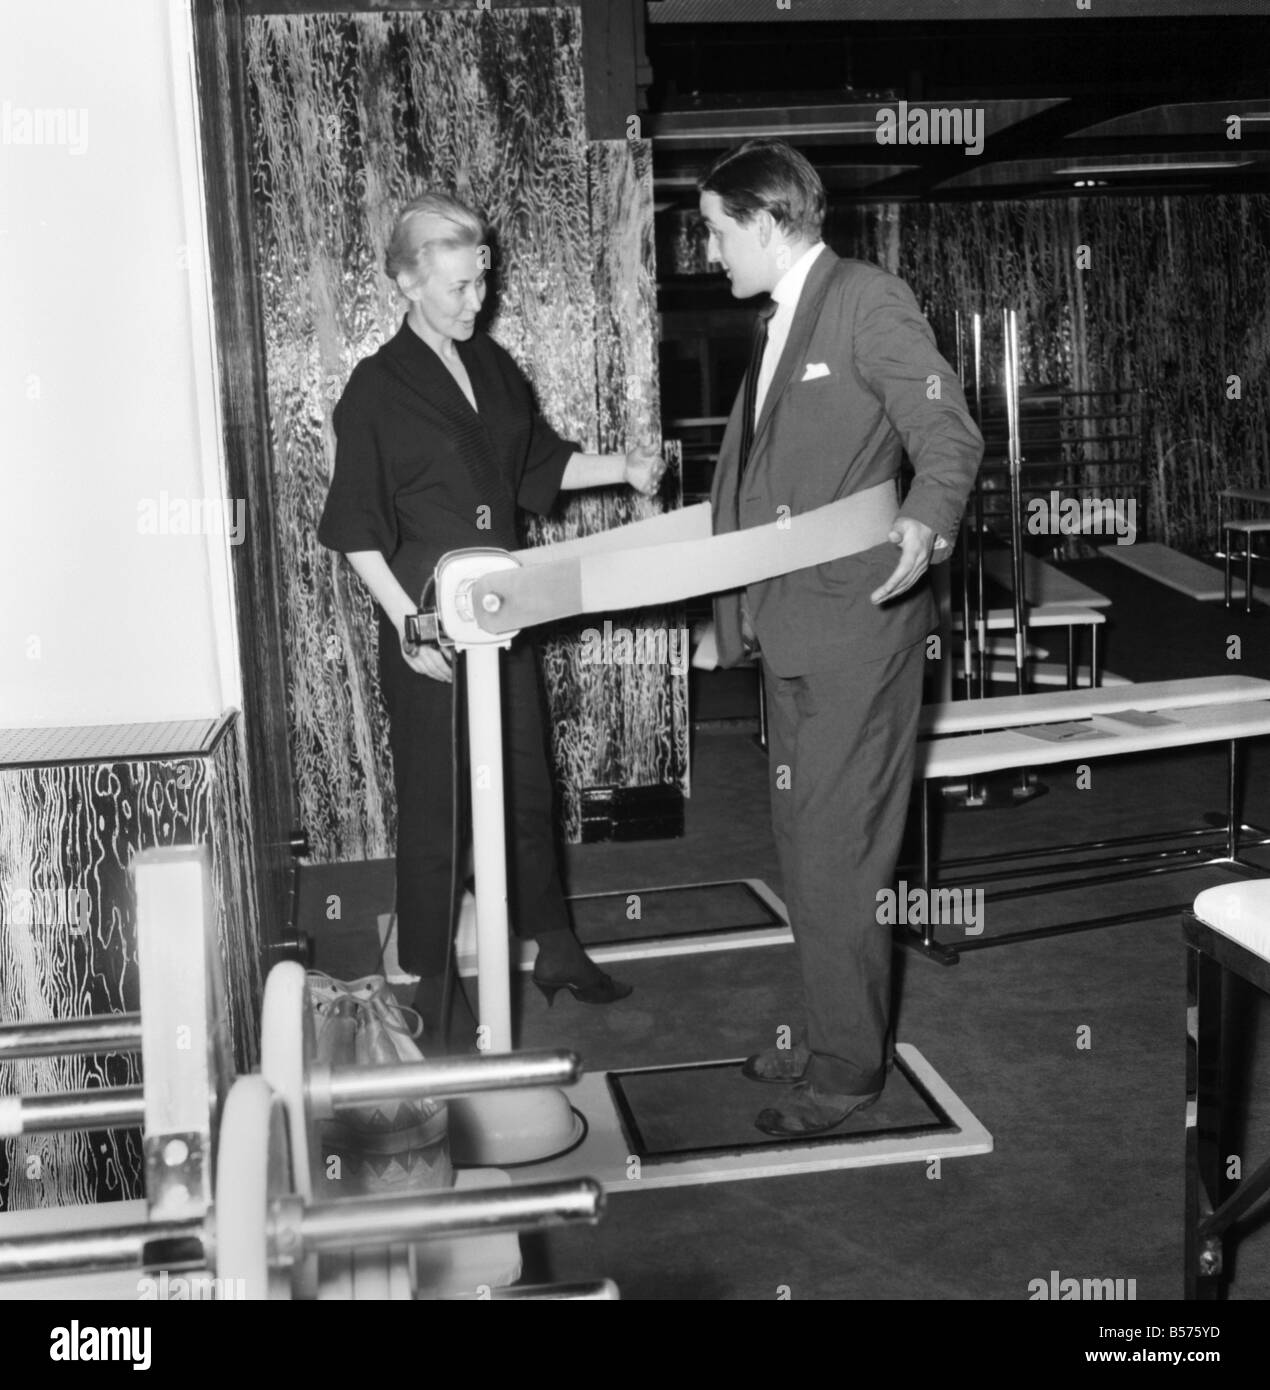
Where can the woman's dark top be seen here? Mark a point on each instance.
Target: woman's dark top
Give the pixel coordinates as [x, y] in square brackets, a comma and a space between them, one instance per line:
[418, 472]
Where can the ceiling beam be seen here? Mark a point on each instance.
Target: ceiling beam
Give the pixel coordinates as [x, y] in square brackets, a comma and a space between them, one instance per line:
[706, 12]
[1031, 138]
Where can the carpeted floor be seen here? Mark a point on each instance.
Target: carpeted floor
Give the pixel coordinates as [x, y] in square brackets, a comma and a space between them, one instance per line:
[1086, 1177]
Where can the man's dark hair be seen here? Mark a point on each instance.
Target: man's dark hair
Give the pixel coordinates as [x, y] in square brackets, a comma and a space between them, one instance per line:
[771, 176]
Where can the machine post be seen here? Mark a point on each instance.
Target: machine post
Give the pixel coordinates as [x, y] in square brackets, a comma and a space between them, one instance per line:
[489, 841]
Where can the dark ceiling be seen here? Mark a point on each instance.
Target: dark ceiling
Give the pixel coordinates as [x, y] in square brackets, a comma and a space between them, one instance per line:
[1103, 105]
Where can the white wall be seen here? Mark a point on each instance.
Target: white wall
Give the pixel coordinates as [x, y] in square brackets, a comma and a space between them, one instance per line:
[107, 382]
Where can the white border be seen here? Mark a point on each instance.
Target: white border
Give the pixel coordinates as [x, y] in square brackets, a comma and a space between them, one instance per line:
[604, 1154]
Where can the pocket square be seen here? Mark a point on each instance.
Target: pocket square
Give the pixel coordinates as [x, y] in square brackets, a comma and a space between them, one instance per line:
[814, 370]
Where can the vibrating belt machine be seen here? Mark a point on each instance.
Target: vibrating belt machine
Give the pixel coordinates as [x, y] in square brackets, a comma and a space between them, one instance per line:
[234, 1165]
[483, 599]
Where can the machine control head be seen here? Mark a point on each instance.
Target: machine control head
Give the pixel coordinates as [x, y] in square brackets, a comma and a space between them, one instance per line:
[456, 575]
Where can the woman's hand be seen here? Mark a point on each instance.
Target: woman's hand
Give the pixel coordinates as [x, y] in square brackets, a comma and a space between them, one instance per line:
[373, 570]
[644, 468]
[428, 661]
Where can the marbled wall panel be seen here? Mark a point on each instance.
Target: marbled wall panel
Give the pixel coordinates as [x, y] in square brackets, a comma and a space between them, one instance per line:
[350, 117]
[324, 307]
[1174, 303]
[71, 829]
[625, 275]
[67, 830]
[618, 725]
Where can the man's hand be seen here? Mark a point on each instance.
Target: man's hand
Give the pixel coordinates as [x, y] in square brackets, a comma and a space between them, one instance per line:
[644, 468]
[916, 541]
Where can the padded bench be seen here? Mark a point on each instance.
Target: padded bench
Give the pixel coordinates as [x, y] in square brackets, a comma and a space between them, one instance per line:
[971, 738]
[1009, 711]
[1255, 496]
[1248, 529]
[1072, 616]
[1249, 525]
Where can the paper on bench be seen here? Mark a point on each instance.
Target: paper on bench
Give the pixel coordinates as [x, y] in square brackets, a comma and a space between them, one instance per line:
[1060, 733]
[1141, 718]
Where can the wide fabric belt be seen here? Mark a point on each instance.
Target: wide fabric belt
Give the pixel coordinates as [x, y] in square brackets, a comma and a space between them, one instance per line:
[665, 559]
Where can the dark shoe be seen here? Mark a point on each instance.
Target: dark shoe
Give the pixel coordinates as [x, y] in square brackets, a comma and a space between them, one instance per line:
[781, 1064]
[602, 989]
[808, 1111]
[562, 963]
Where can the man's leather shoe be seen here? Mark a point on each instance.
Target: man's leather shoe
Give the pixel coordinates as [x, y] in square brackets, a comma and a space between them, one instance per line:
[808, 1111]
[777, 1064]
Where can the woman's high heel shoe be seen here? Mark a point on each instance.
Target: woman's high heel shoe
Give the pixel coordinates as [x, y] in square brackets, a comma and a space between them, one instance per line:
[604, 990]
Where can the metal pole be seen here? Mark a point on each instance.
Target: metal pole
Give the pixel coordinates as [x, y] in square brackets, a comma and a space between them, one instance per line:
[349, 1224]
[119, 1107]
[86, 1251]
[603, 1291]
[967, 616]
[535, 1122]
[64, 1037]
[346, 1087]
[981, 610]
[1016, 490]
[485, 744]
[1012, 373]
[376, 1221]
[967, 625]
[1232, 800]
[123, 1107]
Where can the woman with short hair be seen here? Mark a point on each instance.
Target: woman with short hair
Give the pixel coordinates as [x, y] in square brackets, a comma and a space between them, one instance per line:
[439, 444]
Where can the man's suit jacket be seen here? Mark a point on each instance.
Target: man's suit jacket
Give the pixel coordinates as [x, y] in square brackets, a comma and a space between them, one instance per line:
[888, 391]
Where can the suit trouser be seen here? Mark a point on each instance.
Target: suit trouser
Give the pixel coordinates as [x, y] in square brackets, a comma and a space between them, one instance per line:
[842, 746]
[419, 714]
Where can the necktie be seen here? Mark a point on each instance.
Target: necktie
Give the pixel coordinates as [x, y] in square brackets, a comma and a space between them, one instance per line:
[751, 381]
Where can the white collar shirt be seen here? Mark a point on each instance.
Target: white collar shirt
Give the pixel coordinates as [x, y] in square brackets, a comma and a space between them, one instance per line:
[786, 294]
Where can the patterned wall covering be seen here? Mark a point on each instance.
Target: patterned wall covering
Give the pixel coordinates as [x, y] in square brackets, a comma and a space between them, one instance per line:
[1173, 302]
[617, 726]
[350, 117]
[71, 827]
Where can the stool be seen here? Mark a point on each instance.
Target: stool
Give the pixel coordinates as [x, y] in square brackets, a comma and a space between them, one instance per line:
[1254, 496]
[1072, 616]
[1227, 933]
[1249, 528]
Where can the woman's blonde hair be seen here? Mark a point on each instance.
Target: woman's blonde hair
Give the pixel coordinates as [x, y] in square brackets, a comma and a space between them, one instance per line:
[427, 224]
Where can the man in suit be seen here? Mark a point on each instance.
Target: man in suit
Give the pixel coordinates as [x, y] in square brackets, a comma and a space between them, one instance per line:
[843, 382]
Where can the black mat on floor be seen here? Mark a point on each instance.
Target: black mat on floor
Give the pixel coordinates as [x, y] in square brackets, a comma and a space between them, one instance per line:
[709, 1108]
[697, 909]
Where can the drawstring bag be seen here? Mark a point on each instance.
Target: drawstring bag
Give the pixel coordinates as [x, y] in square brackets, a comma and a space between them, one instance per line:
[393, 1147]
